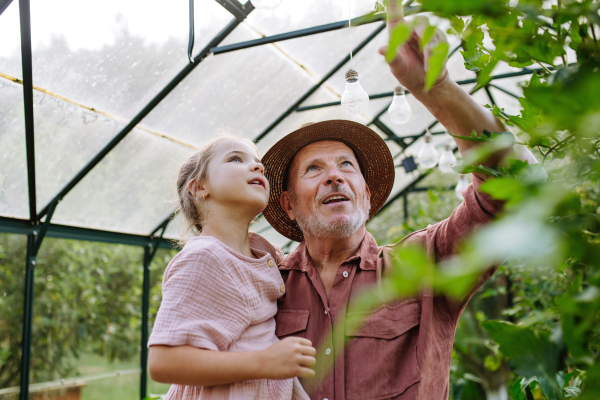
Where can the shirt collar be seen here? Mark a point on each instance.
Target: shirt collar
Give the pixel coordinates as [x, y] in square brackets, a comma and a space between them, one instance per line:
[367, 253]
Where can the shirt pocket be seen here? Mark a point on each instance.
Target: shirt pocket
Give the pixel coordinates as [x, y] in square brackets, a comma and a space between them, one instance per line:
[291, 323]
[381, 357]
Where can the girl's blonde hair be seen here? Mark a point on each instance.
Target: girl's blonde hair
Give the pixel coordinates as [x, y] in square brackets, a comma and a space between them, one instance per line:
[195, 170]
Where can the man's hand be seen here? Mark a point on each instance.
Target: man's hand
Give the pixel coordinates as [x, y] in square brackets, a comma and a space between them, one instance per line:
[410, 63]
[291, 357]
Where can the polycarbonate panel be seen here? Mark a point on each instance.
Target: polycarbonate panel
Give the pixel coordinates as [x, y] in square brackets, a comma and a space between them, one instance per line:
[320, 53]
[244, 90]
[373, 71]
[10, 45]
[293, 15]
[13, 162]
[67, 137]
[506, 102]
[115, 56]
[297, 119]
[131, 190]
[175, 228]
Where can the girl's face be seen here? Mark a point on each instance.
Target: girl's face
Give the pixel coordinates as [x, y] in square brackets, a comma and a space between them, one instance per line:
[235, 178]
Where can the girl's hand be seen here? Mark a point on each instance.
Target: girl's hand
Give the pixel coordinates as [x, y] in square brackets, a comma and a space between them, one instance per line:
[291, 357]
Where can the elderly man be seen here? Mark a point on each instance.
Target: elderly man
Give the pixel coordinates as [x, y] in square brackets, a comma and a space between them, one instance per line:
[327, 180]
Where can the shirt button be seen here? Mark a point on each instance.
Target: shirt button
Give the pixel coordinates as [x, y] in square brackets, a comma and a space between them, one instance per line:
[282, 288]
[345, 273]
[325, 312]
[325, 398]
[270, 263]
[328, 351]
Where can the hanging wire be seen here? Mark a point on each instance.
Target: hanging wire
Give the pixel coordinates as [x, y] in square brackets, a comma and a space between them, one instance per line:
[192, 34]
[349, 29]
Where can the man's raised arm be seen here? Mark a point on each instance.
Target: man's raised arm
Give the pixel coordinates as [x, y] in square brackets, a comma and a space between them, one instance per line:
[454, 108]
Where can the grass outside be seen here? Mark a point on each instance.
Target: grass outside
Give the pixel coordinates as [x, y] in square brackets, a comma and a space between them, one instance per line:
[126, 387]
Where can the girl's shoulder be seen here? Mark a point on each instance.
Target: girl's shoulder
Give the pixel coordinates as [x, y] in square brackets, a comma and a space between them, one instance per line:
[199, 256]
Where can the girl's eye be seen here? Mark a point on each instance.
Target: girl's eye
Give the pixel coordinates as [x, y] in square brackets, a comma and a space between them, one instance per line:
[235, 158]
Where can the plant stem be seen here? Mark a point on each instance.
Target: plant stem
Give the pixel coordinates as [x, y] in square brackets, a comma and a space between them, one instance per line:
[555, 147]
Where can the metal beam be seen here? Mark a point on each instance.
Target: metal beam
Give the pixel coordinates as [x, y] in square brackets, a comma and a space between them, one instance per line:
[239, 10]
[23, 227]
[27, 318]
[4, 5]
[144, 112]
[149, 253]
[489, 95]
[505, 91]
[524, 71]
[318, 85]
[368, 19]
[26, 61]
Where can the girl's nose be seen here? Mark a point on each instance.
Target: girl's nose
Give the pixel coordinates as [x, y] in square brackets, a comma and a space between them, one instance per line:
[260, 168]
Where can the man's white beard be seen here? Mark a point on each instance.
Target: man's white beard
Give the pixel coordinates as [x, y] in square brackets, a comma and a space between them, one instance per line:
[315, 225]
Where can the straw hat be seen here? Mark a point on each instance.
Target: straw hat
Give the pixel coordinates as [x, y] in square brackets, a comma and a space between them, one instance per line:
[372, 153]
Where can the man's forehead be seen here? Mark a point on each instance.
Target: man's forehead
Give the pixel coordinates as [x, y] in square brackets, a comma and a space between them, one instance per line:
[322, 149]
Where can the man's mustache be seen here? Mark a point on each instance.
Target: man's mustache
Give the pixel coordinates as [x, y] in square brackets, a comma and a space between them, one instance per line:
[335, 188]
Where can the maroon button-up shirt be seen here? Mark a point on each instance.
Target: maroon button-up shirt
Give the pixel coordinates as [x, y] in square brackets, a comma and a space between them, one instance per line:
[404, 349]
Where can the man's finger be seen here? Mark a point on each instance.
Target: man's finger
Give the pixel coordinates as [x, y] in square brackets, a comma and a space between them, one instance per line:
[395, 14]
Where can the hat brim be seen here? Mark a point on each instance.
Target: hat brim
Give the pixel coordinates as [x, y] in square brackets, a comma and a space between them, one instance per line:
[372, 153]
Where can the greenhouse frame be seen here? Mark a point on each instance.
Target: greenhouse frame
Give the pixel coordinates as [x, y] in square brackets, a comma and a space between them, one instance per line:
[47, 192]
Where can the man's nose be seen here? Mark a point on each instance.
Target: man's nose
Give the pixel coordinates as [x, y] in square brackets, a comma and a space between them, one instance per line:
[334, 176]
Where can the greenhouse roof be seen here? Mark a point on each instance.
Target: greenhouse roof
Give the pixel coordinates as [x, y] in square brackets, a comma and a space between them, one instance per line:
[99, 106]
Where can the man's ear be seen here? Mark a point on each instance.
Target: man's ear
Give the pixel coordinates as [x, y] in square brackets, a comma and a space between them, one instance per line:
[285, 200]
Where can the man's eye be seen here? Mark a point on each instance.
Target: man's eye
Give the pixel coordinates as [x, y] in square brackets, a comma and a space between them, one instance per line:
[347, 164]
[311, 168]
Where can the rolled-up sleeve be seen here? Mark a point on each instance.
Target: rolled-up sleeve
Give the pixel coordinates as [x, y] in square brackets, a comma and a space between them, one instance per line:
[202, 305]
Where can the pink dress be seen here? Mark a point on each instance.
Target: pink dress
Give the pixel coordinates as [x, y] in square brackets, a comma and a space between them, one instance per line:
[217, 299]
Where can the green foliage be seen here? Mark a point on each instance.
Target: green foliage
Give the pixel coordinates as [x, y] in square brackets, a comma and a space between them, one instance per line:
[87, 296]
[543, 339]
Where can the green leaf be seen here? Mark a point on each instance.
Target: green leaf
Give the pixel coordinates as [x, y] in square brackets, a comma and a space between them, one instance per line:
[427, 35]
[475, 60]
[398, 38]
[436, 63]
[533, 355]
[516, 393]
[504, 188]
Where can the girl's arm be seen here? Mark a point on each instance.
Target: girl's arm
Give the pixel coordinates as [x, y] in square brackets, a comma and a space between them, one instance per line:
[188, 365]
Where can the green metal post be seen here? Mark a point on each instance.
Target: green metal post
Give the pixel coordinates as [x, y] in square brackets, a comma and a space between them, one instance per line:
[27, 317]
[145, 311]
[149, 253]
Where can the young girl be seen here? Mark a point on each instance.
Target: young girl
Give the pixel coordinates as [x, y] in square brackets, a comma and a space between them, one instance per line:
[214, 335]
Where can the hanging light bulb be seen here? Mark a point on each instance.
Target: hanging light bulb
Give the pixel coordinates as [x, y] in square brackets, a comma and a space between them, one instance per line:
[428, 155]
[265, 5]
[462, 184]
[447, 160]
[354, 100]
[400, 111]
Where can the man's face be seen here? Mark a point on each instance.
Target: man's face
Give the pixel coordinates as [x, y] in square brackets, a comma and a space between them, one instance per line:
[328, 195]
